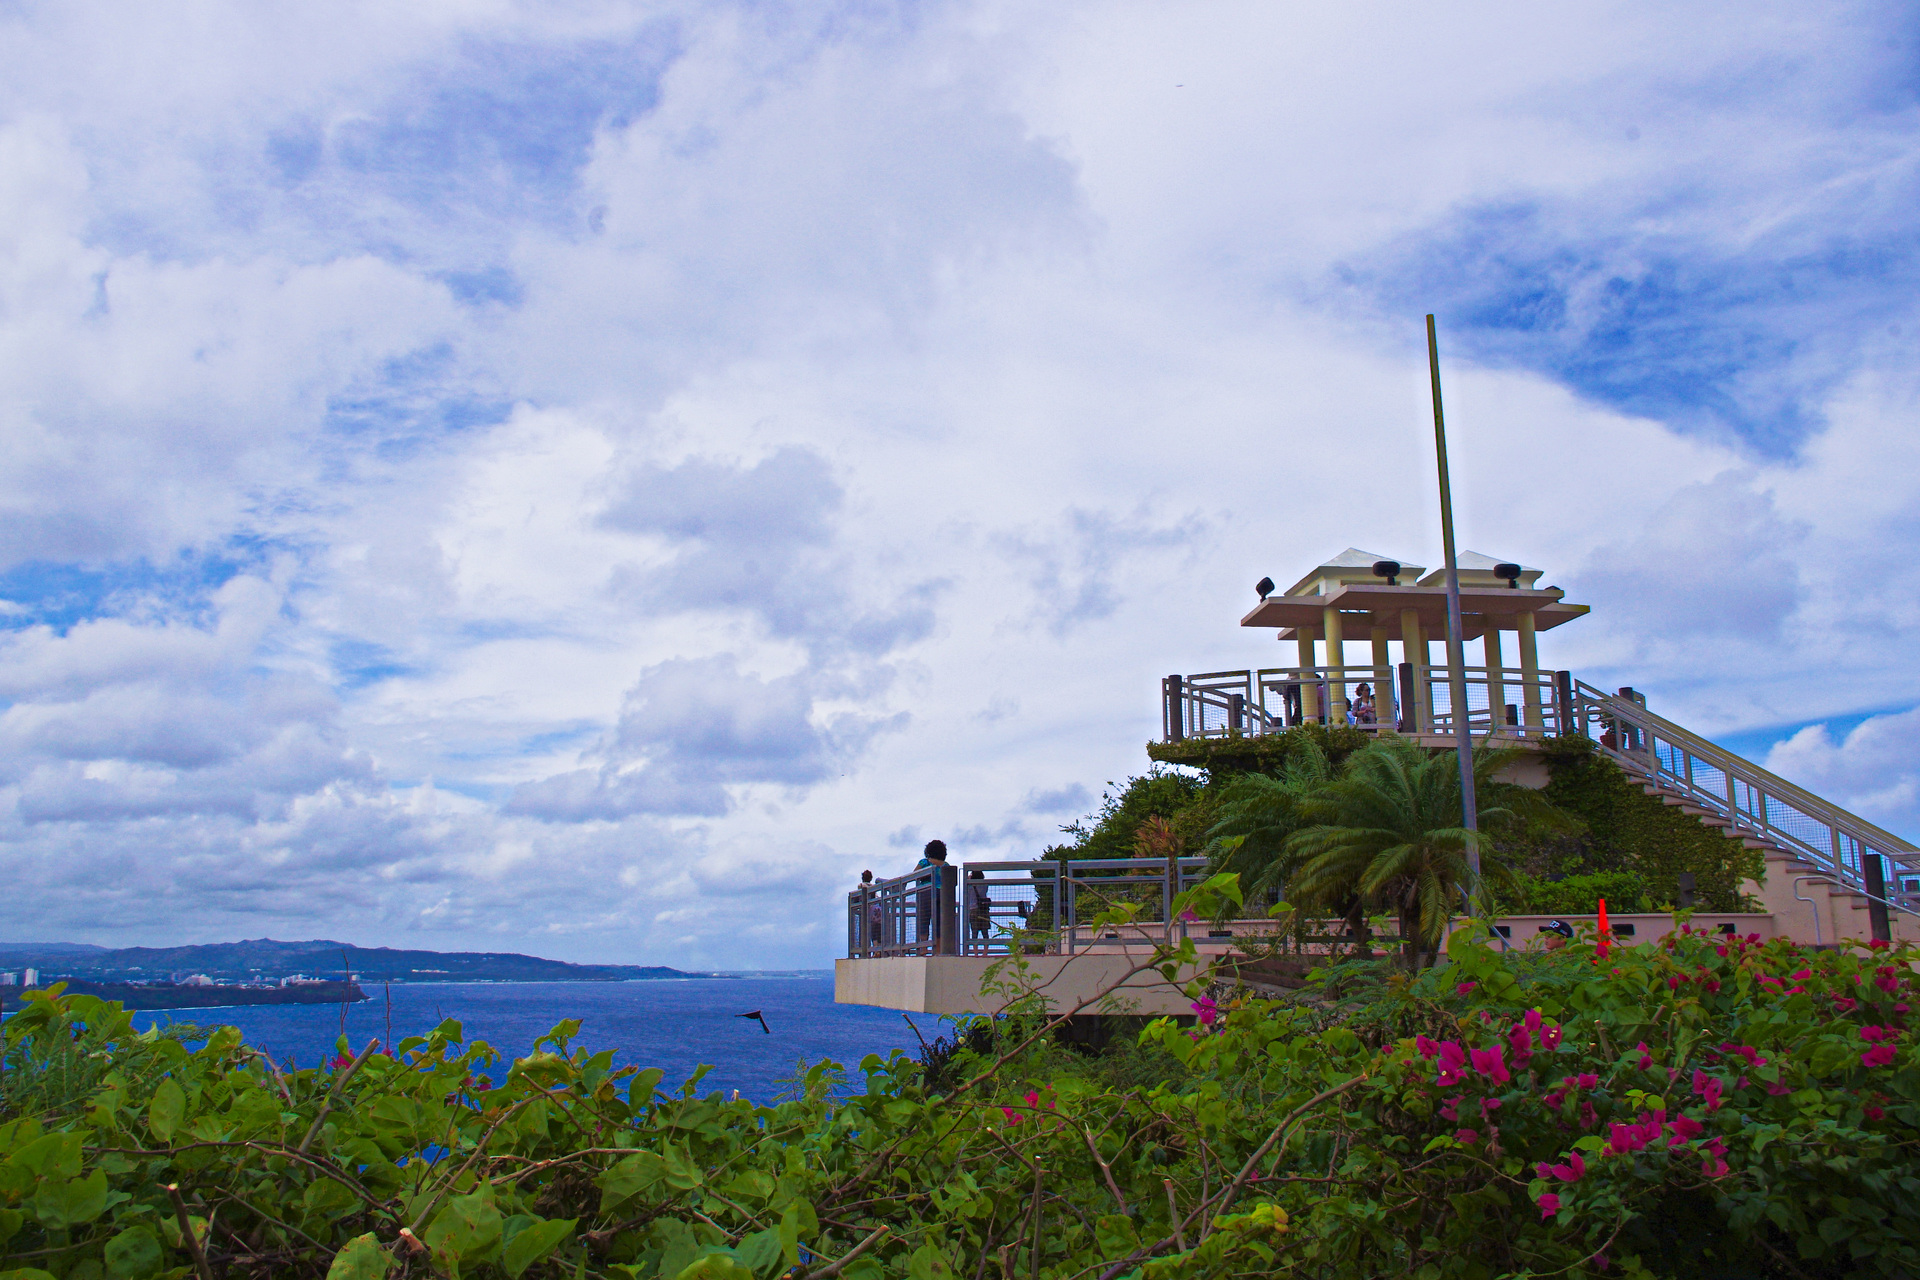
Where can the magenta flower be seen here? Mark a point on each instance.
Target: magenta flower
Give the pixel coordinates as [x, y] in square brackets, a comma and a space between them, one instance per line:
[1427, 1048]
[1452, 1058]
[1685, 1129]
[1468, 1136]
[1587, 1080]
[1878, 1056]
[1491, 1064]
[1877, 1033]
[1572, 1171]
[1874, 1113]
[1464, 987]
[1845, 1004]
[1207, 1011]
[1646, 1059]
[1489, 1105]
[1549, 1205]
[1550, 1036]
[1522, 1042]
[1778, 1089]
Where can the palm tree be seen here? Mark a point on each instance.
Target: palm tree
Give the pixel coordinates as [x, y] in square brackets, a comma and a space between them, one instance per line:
[1258, 814]
[1388, 833]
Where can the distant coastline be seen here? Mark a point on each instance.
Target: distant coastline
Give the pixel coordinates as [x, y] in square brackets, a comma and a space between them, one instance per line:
[266, 971]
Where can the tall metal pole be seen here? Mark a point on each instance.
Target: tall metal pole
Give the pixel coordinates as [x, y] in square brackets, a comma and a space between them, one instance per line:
[1456, 648]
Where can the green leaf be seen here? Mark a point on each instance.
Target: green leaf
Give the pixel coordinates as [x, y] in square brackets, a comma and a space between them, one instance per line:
[167, 1110]
[715, 1266]
[797, 1223]
[134, 1254]
[11, 1221]
[54, 1155]
[1116, 1236]
[629, 1178]
[534, 1242]
[26, 1273]
[63, 1204]
[761, 1252]
[466, 1227]
[362, 1259]
[328, 1198]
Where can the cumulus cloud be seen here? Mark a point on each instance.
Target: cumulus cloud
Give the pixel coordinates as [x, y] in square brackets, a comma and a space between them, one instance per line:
[579, 481]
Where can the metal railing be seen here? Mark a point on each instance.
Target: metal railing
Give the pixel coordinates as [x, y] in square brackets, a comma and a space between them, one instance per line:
[989, 908]
[1407, 697]
[1754, 803]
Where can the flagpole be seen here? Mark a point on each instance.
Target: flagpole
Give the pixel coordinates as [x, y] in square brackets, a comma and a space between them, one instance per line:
[1456, 649]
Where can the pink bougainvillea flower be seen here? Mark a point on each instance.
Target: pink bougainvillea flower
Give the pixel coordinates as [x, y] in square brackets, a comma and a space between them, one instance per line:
[1426, 1047]
[1013, 1117]
[1673, 983]
[1588, 1116]
[1549, 1202]
[1206, 1010]
[1900, 1006]
[1709, 1088]
[1464, 987]
[1874, 1113]
[1646, 1058]
[1872, 1033]
[1845, 1004]
[1452, 1059]
[1491, 1063]
[1554, 1099]
[1714, 1167]
[1532, 1021]
[1522, 1041]
[1878, 1056]
[1449, 1110]
[1468, 1136]
[1801, 975]
[1778, 1089]
[1720, 951]
[1550, 1036]
[1713, 986]
[1886, 981]
[1587, 1080]
[1572, 1171]
[1685, 1129]
[1490, 1105]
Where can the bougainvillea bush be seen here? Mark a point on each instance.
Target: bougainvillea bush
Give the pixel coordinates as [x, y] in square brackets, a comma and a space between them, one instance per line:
[1700, 1106]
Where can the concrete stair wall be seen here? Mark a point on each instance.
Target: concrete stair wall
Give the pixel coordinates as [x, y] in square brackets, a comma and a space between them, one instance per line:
[1835, 912]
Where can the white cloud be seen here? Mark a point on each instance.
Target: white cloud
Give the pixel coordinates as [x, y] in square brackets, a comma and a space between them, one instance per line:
[581, 480]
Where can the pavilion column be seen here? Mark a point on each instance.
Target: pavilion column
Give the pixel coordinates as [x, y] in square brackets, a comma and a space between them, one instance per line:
[1383, 690]
[1309, 683]
[1496, 688]
[1336, 662]
[1413, 649]
[1530, 674]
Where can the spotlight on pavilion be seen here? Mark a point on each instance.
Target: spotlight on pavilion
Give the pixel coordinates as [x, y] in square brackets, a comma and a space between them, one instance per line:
[1511, 572]
[1264, 587]
[1388, 569]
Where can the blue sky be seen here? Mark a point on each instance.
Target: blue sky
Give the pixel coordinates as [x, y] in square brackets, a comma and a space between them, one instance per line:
[593, 478]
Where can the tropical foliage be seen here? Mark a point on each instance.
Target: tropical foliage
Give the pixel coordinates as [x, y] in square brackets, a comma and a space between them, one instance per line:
[1704, 1106]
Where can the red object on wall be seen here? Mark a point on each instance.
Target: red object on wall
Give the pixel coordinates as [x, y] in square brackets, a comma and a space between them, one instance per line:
[1606, 930]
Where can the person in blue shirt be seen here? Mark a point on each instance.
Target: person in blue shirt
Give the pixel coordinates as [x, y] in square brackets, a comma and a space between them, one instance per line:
[933, 861]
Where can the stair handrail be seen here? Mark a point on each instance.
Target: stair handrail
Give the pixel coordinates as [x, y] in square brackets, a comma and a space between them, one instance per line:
[1871, 838]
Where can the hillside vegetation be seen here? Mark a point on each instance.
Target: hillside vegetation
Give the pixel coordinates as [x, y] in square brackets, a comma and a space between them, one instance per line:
[1702, 1107]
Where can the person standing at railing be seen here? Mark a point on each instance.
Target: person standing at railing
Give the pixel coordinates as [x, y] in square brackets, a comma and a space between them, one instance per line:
[876, 917]
[979, 907]
[926, 915]
[1362, 712]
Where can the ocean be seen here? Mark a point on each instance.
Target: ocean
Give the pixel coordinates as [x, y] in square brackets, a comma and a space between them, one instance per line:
[675, 1025]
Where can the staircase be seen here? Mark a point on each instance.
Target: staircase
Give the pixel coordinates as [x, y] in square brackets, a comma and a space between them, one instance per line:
[1821, 861]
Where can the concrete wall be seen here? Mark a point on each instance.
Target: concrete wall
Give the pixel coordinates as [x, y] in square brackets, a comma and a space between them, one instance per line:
[950, 985]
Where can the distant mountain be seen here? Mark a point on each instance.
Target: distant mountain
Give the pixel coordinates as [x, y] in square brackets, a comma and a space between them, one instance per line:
[265, 958]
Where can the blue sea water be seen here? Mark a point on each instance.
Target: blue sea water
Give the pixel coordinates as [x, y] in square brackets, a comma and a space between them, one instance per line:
[675, 1025]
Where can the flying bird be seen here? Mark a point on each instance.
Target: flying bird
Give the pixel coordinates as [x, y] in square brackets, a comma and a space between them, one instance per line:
[755, 1015]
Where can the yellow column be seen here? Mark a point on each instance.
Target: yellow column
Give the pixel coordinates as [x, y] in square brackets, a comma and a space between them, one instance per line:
[1336, 662]
[1309, 682]
[1530, 673]
[1382, 680]
[1413, 648]
[1496, 690]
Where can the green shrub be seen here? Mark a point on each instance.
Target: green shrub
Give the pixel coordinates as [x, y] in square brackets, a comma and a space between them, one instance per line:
[1697, 1107]
[1580, 895]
